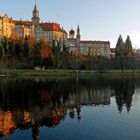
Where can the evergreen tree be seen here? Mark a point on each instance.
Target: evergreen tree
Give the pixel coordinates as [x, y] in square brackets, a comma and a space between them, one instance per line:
[120, 53]
[128, 49]
[119, 46]
[128, 52]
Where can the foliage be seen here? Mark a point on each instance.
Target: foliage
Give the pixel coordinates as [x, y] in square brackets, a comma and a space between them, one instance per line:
[128, 52]
[119, 46]
[1, 50]
[56, 49]
[124, 54]
[26, 53]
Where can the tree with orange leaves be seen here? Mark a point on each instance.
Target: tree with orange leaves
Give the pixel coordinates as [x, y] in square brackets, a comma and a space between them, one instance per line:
[46, 54]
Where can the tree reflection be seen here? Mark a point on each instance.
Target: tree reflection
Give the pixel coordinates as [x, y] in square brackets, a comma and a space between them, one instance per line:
[124, 90]
[35, 103]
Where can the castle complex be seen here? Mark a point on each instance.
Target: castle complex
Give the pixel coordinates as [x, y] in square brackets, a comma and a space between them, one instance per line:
[33, 28]
[52, 31]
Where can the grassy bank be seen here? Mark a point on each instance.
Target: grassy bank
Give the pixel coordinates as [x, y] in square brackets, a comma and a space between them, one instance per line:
[68, 74]
[40, 74]
[111, 74]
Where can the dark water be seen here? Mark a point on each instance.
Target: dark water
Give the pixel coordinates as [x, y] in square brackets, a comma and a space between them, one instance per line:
[74, 109]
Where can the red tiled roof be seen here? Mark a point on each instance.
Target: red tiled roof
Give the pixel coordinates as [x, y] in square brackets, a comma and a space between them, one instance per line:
[94, 42]
[18, 22]
[51, 27]
[45, 26]
[26, 23]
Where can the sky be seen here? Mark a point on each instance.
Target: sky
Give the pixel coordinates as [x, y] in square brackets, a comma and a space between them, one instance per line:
[98, 19]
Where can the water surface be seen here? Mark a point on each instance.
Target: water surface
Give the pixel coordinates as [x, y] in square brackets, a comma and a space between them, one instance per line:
[72, 109]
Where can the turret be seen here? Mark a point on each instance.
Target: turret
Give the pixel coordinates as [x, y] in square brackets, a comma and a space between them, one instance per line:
[71, 33]
[35, 18]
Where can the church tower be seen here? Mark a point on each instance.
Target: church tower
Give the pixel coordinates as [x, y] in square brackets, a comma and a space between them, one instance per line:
[35, 18]
[78, 37]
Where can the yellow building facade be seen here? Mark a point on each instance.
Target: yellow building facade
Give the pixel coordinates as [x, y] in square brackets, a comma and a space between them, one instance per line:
[19, 28]
[7, 26]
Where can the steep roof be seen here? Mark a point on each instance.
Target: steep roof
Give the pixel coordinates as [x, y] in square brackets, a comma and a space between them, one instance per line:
[35, 8]
[51, 27]
[26, 23]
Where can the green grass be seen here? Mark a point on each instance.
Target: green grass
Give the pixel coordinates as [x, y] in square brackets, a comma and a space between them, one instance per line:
[87, 74]
[40, 74]
[113, 74]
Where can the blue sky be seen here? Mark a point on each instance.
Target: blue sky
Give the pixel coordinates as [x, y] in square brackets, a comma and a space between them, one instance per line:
[98, 19]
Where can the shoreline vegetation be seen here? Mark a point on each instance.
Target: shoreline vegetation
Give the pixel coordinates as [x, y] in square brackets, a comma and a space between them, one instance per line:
[26, 58]
[54, 74]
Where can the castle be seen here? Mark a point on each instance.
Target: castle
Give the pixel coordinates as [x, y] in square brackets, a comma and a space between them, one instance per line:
[87, 47]
[52, 31]
[19, 28]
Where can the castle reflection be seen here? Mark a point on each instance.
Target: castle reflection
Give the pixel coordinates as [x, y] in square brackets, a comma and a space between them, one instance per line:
[35, 103]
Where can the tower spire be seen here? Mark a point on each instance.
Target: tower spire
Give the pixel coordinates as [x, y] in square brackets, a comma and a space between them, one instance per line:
[78, 30]
[35, 18]
[78, 36]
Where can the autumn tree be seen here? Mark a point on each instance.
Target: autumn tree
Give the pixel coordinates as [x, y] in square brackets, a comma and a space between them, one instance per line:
[46, 54]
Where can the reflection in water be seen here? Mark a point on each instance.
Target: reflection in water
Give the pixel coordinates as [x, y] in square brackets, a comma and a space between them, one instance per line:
[124, 92]
[32, 104]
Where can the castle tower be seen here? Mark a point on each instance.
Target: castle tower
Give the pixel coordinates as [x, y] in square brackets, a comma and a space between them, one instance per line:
[71, 34]
[35, 18]
[78, 37]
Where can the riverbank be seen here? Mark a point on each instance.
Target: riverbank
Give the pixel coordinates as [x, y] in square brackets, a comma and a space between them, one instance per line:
[67, 73]
[39, 73]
